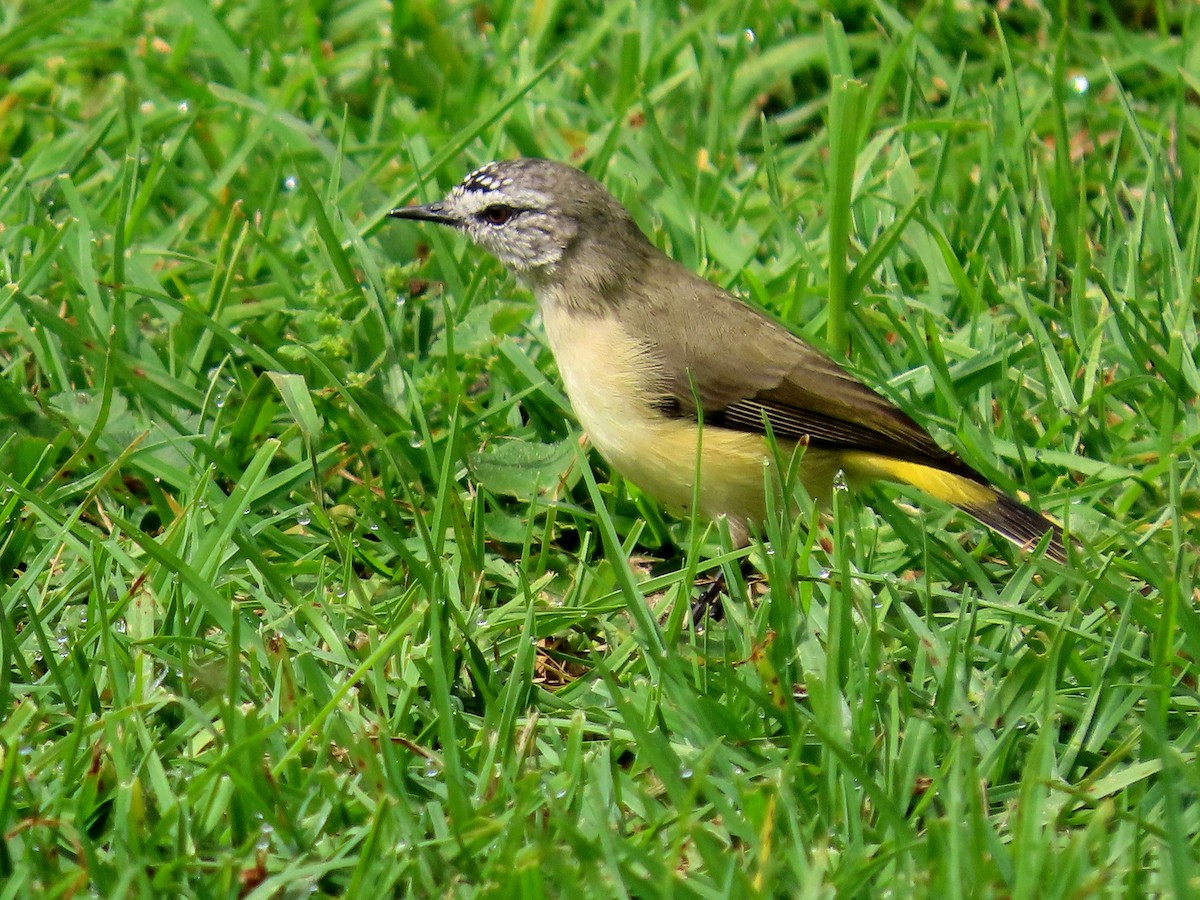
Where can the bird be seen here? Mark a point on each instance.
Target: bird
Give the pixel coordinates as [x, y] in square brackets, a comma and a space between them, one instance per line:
[674, 378]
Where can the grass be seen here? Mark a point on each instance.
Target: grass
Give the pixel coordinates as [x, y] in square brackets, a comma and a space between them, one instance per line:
[308, 588]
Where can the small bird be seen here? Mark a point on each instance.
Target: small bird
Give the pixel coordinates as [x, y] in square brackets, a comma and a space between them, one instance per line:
[665, 370]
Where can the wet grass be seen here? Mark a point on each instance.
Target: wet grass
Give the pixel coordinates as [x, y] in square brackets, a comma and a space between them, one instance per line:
[308, 587]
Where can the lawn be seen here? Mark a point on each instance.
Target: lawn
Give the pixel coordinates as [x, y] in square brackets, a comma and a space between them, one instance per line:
[310, 587]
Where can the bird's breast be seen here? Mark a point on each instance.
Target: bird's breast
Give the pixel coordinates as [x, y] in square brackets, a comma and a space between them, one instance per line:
[611, 379]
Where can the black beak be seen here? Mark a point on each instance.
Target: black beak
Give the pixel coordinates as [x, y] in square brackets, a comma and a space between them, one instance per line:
[432, 212]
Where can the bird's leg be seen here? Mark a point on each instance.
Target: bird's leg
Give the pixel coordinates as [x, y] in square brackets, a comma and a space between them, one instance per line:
[709, 606]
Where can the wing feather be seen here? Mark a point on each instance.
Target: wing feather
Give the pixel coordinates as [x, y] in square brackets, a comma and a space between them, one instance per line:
[767, 373]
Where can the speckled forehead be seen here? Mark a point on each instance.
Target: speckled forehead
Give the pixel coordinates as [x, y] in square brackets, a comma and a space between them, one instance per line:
[490, 185]
[486, 179]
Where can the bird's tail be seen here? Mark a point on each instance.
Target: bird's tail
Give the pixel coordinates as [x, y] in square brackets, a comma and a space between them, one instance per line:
[1001, 513]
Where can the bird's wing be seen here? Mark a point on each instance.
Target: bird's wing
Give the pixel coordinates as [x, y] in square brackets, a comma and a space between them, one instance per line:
[744, 367]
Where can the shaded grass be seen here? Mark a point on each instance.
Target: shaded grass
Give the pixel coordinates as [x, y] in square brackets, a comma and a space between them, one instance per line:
[273, 617]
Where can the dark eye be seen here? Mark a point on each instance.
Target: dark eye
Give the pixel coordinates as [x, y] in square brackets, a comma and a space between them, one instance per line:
[497, 214]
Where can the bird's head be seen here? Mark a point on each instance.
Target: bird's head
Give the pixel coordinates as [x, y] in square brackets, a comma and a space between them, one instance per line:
[528, 213]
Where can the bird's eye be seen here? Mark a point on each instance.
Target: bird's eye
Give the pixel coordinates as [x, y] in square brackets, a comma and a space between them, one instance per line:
[497, 214]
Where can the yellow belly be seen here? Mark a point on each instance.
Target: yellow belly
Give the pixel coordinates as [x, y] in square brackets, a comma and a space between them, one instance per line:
[607, 377]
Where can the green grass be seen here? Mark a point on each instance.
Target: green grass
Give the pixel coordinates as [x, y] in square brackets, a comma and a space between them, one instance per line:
[307, 588]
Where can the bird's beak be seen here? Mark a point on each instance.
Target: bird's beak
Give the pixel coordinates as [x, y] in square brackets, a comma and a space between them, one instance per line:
[431, 212]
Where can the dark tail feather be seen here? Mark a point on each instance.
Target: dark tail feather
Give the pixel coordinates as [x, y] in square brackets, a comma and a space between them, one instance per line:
[973, 495]
[1018, 523]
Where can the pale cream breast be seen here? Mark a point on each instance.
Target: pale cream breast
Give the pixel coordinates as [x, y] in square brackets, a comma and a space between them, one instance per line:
[609, 379]
[606, 376]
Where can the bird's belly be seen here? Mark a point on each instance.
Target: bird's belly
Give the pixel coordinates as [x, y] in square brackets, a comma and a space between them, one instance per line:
[609, 380]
